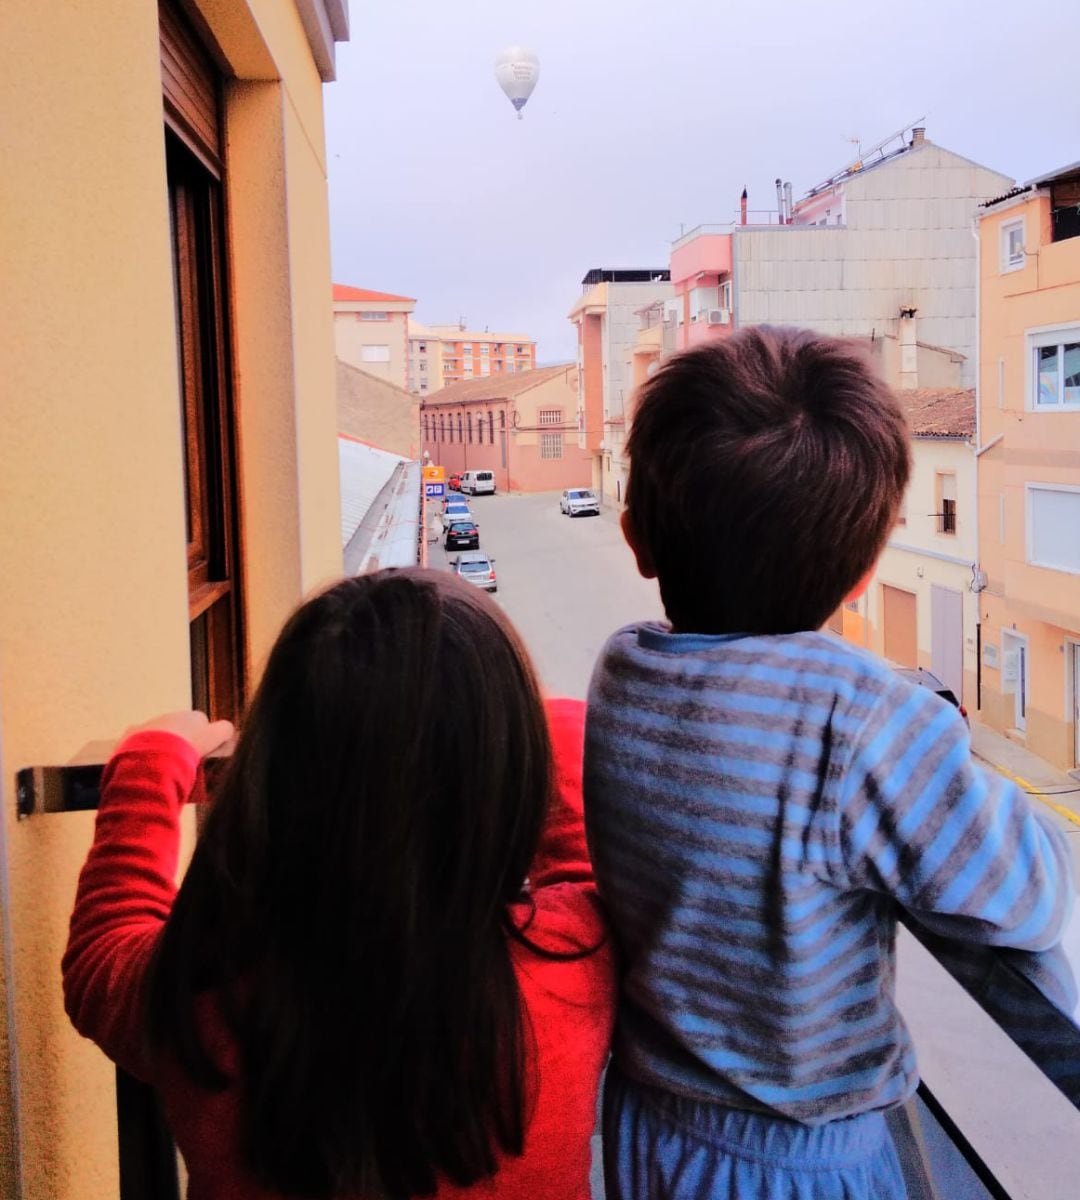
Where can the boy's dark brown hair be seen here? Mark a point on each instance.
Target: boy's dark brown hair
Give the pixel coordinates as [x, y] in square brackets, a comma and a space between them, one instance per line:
[766, 471]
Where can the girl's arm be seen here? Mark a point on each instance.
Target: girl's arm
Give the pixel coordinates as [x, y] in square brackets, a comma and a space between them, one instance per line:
[563, 856]
[126, 891]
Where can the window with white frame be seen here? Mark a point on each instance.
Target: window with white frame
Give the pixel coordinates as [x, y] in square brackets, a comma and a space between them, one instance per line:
[551, 445]
[466, 347]
[485, 367]
[725, 294]
[374, 316]
[1054, 369]
[1012, 245]
[374, 354]
[485, 348]
[1053, 527]
[550, 416]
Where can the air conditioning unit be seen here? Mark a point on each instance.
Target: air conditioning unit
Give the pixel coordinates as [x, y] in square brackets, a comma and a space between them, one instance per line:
[718, 316]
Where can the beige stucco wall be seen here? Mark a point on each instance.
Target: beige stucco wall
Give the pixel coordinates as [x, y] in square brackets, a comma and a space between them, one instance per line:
[377, 412]
[917, 556]
[1034, 447]
[351, 335]
[93, 622]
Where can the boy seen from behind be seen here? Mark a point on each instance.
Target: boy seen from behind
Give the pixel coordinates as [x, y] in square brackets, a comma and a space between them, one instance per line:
[760, 795]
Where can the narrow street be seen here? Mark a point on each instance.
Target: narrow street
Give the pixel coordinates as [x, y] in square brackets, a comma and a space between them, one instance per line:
[566, 582]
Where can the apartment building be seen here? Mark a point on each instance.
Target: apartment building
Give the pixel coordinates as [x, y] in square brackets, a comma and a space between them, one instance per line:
[168, 471]
[522, 427]
[608, 320]
[1029, 464]
[425, 359]
[463, 354]
[888, 239]
[371, 331]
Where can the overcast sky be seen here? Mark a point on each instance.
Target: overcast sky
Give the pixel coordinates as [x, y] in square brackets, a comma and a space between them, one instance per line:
[649, 117]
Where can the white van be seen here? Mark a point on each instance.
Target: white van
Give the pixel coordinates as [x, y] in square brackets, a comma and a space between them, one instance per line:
[478, 483]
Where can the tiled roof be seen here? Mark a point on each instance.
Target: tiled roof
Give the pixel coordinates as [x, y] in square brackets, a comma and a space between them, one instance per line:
[939, 412]
[494, 387]
[344, 292]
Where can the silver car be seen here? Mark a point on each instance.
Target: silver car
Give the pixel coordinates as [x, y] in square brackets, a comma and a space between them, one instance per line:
[576, 501]
[477, 569]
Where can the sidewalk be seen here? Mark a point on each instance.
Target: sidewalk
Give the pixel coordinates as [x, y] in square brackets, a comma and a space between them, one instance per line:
[1055, 789]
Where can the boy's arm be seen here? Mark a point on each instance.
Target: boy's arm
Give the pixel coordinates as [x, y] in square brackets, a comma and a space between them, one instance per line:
[958, 846]
[126, 891]
[563, 856]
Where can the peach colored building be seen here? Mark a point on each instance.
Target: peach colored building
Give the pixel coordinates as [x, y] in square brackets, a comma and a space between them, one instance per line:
[608, 321]
[465, 354]
[371, 331]
[1029, 466]
[522, 427]
[168, 467]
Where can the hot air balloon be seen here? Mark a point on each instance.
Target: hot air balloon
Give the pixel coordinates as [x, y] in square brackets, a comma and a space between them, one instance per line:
[516, 71]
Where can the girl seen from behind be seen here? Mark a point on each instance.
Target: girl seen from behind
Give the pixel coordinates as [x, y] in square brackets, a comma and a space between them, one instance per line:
[355, 993]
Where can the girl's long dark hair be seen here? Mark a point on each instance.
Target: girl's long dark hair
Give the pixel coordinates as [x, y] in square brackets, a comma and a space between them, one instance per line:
[347, 900]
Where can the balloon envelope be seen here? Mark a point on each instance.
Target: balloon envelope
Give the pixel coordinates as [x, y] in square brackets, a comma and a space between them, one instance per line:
[517, 70]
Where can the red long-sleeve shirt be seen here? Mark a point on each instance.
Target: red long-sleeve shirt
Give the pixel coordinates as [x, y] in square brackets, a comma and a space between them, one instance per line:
[126, 891]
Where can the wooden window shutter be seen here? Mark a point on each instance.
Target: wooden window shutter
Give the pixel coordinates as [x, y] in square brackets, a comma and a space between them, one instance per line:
[189, 82]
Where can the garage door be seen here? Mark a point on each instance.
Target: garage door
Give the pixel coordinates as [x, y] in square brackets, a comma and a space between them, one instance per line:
[898, 613]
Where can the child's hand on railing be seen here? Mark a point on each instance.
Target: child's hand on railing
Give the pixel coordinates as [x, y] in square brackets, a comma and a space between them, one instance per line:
[196, 728]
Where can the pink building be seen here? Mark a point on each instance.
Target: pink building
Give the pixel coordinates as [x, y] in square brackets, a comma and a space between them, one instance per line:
[521, 427]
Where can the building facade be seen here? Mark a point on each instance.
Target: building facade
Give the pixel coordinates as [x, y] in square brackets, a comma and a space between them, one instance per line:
[921, 607]
[440, 355]
[888, 240]
[524, 429]
[168, 470]
[371, 331]
[425, 359]
[608, 319]
[1029, 470]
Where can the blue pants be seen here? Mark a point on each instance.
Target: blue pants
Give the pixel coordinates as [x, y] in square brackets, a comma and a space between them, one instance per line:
[659, 1146]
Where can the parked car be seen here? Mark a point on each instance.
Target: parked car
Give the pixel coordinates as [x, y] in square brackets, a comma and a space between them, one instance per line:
[462, 535]
[577, 501]
[478, 483]
[926, 679]
[454, 482]
[456, 508]
[477, 569]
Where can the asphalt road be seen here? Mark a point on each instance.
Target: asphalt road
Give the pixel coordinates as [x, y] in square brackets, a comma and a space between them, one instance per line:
[567, 583]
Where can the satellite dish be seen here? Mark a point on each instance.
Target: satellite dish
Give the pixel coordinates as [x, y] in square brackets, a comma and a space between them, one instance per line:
[516, 72]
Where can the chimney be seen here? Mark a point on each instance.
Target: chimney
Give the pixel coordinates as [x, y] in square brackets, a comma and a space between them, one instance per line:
[780, 199]
[909, 350]
[918, 135]
[742, 208]
[787, 202]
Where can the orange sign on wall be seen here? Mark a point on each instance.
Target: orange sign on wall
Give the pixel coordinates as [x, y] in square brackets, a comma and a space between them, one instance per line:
[434, 474]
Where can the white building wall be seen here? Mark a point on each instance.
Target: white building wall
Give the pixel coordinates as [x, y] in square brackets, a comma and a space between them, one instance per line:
[917, 556]
[907, 241]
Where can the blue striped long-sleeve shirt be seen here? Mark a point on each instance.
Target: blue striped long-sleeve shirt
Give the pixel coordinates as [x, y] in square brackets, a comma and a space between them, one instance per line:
[756, 807]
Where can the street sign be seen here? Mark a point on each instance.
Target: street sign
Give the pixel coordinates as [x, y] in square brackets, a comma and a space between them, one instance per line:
[434, 475]
[434, 490]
